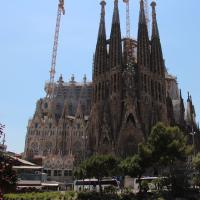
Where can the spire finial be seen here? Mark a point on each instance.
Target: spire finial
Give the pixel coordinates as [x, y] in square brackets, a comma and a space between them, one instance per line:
[84, 79]
[103, 4]
[72, 78]
[60, 79]
[102, 20]
[116, 12]
[155, 32]
[142, 19]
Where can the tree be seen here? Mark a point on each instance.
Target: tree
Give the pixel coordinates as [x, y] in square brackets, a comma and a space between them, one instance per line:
[136, 165]
[8, 176]
[196, 165]
[196, 162]
[169, 151]
[98, 166]
[168, 145]
[132, 167]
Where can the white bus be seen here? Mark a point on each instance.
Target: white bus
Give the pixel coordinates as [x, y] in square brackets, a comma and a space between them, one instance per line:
[93, 184]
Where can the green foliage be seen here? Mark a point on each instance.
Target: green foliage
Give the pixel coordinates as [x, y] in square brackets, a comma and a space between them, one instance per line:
[97, 196]
[132, 166]
[196, 180]
[196, 162]
[8, 177]
[168, 144]
[161, 183]
[144, 186]
[98, 166]
[42, 196]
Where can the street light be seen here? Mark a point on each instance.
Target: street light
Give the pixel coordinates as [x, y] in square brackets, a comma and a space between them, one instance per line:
[193, 133]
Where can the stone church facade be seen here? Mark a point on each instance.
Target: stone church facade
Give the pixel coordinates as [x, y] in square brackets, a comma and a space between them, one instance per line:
[132, 89]
[130, 92]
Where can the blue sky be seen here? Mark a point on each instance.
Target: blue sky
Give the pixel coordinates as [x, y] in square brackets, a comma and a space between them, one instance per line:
[26, 39]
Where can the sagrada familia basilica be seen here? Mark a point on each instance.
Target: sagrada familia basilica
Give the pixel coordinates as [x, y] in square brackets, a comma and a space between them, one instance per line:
[131, 90]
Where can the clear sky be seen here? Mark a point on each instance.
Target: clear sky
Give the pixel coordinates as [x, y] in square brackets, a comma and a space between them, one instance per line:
[26, 39]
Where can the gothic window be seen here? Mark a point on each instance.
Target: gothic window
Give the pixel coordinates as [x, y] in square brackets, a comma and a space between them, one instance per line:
[163, 94]
[111, 84]
[83, 108]
[99, 91]
[152, 88]
[142, 82]
[46, 105]
[115, 80]
[103, 91]
[156, 89]
[131, 119]
[36, 125]
[70, 109]
[48, 147]
[145, 83]
[105, 141]
[149, 85]
[58, 106]
[118, 80]
[50, 125]
[159, 90]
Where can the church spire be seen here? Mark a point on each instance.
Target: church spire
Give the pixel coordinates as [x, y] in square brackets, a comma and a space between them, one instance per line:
[182, 111]
[101, 51]
[155, 32]
[157, 62]
[115, 52]
[143, 52]
[142, 17]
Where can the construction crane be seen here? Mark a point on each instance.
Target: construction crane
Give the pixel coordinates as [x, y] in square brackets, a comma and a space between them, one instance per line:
[50, 87]
[128, 29]
[146, 7]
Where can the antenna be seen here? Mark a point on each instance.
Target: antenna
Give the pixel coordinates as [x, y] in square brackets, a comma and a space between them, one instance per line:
[128, 29]
[61, 10]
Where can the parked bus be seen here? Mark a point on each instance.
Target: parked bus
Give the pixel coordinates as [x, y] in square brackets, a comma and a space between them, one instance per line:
[93, 184]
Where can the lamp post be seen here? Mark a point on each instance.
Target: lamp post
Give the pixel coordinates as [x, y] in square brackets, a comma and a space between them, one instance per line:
[193, 133]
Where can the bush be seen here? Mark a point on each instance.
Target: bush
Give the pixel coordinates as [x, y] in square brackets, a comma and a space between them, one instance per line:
[42, 196]
[128, 196]
[97, 196]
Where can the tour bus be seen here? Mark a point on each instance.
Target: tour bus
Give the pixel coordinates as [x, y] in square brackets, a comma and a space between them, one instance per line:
[93, 184]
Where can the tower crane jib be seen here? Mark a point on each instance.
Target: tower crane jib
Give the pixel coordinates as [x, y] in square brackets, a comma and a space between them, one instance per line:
[61, 10]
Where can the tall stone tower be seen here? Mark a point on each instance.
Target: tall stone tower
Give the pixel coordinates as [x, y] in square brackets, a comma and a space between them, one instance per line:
[100, 114]
[158, 87]
[114, 122]
[115, 76]
[150, 73]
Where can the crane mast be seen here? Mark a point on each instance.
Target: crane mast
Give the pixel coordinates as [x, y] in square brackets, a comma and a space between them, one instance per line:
[146, 4]
[128, 29]
[61, 10]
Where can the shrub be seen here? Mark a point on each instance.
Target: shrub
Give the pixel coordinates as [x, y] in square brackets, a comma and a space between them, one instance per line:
[42, 196]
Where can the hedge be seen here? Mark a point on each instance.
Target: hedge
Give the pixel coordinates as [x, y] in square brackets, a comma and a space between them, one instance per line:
[42, 196]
